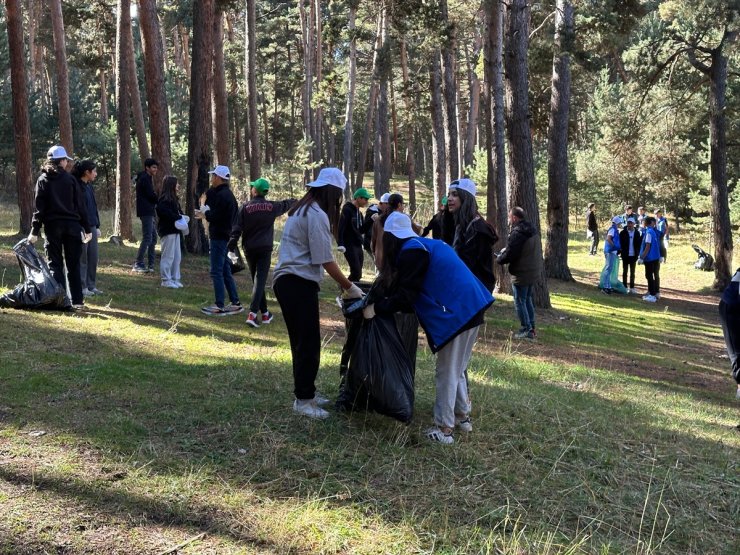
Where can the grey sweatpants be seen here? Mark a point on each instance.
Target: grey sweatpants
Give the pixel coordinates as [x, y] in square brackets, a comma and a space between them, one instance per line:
[89, 262]
[169, 261]
[451, 382]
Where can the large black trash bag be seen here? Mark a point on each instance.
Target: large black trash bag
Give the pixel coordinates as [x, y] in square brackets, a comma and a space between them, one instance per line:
[380, 374]
[38, 288]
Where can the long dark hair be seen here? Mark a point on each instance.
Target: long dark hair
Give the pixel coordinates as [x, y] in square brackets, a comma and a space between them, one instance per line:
[389, 271]
[169, 189]
[328, 198]
[52, 167]
[82, 166]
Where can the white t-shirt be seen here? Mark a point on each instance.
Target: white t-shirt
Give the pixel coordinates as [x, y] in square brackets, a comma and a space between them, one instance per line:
[632, 244]
[306, 245]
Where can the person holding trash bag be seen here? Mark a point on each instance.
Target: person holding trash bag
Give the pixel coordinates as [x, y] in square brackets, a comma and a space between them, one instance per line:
[170, 222]
[426, 276]
[729, 313]
[60, 208]
[305, 252]
[611, 254]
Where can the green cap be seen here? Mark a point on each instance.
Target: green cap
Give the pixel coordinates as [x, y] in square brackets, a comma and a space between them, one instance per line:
[261, 185]
[444, 200]
[361, 193]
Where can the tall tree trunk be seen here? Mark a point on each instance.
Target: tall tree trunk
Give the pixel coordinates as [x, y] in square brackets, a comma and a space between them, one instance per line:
[409, 128]
[556, 248]
[220, 104]
[382, 151]
[318, 120]
[255, 155]
[21, 119]
[438, 132]
[472, 128]
[497, 205]
[32, 46]
[347, 159]
[199, 148]
[518, 134]
[372, 99]
[122, 221]
[154, 74]
[135, 96]
[60, 55]
[308, 67]
[450, 96]
[394, 120]
[236, 108]
[103, 76]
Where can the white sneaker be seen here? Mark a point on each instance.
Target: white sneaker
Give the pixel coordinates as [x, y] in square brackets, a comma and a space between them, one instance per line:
[435, 434]
[178, 283]
[87, 293]
[657, 296]
[308, 407]
[464, 424]
[649, 298]
[320, 400]
[632, 291]
[169, 284]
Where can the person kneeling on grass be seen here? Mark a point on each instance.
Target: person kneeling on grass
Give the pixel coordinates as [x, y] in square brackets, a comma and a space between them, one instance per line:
[426, 276]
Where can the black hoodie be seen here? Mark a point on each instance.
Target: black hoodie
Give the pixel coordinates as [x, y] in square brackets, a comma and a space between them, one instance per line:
[59, 198]
[474, 246]
[523, 254]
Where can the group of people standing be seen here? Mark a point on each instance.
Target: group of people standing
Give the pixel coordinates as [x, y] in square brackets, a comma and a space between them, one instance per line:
[643, 240]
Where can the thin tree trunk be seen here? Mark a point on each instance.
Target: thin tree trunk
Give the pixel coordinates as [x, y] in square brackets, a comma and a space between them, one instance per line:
[102, 74]
[556, 247]
[135, 96]
[236, 111]
[32, 47]
[373, 98]
[199, 121]
[409, 128]
[266, 129]
[450, 96]
[318, 121]
[382, 151]
[394, 120]
[347, 165]
[438, 132]
[255, 155]
[60, 55]
[308, 67]
[185, 38]
[122, 221]
[472, 128]
[220, 104]
[21, 118]
[518, 135]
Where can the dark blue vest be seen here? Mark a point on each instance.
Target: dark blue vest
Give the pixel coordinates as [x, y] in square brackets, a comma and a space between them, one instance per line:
[654, 252]
[607, 246]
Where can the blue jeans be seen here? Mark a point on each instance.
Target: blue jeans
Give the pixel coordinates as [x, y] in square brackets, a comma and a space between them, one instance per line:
[148, 241]
[223, 281]
[523, 305]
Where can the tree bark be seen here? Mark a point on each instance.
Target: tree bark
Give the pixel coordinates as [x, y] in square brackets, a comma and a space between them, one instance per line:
[236, 111]
[60, 55]
[438, 132]
[409, 128]
[220, 103]
[154, 79]
[450, 96]
[382, 151]
[103, 76]
[21, 118]
[318, 120]
[255, 156]
[556, 247]
[473, 113]
[308, 67]
[347, 166]
[122, 220]
[132, 77]
[199, 121]
[518, 134]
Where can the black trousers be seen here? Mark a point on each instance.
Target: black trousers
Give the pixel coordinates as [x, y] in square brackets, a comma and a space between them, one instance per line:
[629, 262]
[64, 246]
[299, 301]
[355, 258]
[259, 267]
[731, 331]
[652, 275]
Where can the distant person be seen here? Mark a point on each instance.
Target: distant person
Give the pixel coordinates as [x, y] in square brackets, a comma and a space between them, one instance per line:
[60, 207]
[523, 254]
[661, 227]
[85, 172]
[611, 250]
[650, 257]
[641, 215]
[220, 210]
[630, 241]
[592, 229]
[256, 228]
[628, 213]
[397, 204]
[305, 253]
[146, 202]
[729, 312]
[435, 224]
[168, 213]
[350, 237]
[376, 241]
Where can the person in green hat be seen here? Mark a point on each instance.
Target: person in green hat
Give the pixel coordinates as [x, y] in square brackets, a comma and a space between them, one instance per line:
[351, 229]
[442, 224]
[256, 227]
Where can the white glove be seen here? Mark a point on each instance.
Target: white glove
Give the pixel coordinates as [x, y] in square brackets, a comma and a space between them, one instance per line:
[368, 312]
[375, 217]
[97, 232]
[86, 237]
[204, 208]
[342, 249]
[662, 259]
[32, 238]
[640, 261]
[233, 257]
[353, 292]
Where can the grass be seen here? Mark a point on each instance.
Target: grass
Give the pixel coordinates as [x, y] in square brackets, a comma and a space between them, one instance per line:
[613, 433]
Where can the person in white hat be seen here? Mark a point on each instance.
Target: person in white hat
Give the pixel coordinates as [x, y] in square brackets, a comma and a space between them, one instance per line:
[305, 252]
[611, 250]
[426, 276]
[61, 208]
[220, 210]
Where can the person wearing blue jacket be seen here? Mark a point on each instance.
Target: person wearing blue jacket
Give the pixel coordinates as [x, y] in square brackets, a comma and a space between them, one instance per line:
[611, 253]
[427, 277]
[729, 313]
[650, 257]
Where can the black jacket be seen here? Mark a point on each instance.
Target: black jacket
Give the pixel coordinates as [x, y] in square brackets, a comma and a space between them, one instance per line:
[350, 226]
[523, 254]
[256, 223]
[624, 242]
[91, 205]
[168, 212]
[223, 212]
[593, 225]
[59, 198]
[146, 198]
[474, 246]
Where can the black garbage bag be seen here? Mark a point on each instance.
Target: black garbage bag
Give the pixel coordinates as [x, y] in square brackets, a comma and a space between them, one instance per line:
[380, 376]
[38, 288]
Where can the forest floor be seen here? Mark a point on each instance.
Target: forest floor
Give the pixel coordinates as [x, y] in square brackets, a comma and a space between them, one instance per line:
[141, 426]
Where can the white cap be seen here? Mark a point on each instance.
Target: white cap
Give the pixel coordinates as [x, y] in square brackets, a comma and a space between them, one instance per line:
[221, 171]
[616, 220]
[399, 224]
[465, 184]
[630, 220]
[57, 152]
[384, 197]
[330, 176]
